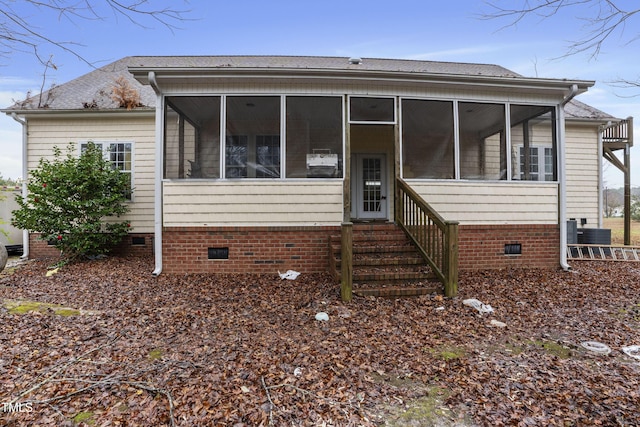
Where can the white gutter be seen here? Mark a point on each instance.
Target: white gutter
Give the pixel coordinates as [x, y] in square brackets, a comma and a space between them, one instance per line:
[562, 177]
[25, 133]
[157, 211]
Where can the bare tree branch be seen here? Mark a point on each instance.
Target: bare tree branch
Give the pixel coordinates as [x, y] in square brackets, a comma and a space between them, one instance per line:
[603, 19]
[627, 84]
[19, 33]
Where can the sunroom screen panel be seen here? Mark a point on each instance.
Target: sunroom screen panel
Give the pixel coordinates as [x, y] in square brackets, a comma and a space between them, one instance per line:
[314, 137]
[252, 144]
[482, 141]
[427, 139]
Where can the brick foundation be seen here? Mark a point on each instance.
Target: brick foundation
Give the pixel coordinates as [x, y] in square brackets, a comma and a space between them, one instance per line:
[305, 249]
[134, 244]
[40, 248]
[251, 249]
[483, 246]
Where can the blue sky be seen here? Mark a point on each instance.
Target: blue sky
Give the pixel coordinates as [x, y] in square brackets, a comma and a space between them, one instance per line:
[430, 30]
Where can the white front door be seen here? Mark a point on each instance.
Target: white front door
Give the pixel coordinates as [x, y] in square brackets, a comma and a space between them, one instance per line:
[370, 186]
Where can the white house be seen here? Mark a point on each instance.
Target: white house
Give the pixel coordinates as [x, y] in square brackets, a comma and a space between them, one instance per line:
[251, 163]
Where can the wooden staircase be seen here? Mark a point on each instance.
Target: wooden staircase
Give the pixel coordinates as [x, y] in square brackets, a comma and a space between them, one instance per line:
[385, 263]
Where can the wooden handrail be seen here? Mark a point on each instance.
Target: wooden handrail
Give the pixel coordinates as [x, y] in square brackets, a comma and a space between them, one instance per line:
[435, 237]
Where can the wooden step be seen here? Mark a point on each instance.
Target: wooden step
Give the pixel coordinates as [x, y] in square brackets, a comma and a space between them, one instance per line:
[385, 263]
[399, 292]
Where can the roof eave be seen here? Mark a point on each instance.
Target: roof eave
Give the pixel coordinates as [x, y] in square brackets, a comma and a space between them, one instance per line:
[591, 120]
[203, 74]
[70, 112]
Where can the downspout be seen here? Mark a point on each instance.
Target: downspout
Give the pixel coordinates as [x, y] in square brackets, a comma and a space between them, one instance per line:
[562, 176]
[157, 198]
[601, 206]
[25, 133]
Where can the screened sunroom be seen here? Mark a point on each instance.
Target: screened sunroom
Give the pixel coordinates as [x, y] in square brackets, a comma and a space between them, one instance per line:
[275, 137]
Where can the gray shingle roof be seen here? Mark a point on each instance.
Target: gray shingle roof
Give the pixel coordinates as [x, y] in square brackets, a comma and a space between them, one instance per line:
[579, 110]
[94, 89]
[89, 91]
[320, 63]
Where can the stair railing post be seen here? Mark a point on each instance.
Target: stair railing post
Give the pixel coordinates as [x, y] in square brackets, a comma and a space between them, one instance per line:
[346, 253]
[451, 259]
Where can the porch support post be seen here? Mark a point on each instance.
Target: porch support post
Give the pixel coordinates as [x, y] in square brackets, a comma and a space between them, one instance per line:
[627, 190]
[451, 263]
[346, 287]
[346, 231]
[397, 159]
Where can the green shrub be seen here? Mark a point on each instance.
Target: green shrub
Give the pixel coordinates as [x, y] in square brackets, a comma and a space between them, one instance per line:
[74, 201]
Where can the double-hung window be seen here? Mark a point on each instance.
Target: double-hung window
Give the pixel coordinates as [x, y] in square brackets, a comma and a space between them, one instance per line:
[120, 155]
[539, 164]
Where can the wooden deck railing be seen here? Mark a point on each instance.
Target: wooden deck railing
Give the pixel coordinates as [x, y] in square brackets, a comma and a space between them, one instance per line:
[436, 238]
[620, 132]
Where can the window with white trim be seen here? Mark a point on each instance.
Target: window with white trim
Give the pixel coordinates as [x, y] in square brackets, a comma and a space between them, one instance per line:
[540, 164]
[120, 155]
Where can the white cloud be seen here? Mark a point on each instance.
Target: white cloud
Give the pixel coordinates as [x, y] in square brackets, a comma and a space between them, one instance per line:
[456, 53]
[14, 81]
[8, 98]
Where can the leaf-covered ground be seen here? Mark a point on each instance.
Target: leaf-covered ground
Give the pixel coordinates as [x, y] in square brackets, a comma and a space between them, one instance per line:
[112, 345]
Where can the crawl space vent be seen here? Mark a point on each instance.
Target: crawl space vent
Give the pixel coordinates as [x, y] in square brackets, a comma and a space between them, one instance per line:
[218, 253]
[513, 249]
[137, 241]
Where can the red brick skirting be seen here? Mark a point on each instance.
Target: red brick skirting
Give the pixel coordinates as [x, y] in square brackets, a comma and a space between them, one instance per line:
[134, 244]
[41, 249]
[250, 249]
[483, 246]
[305, 249]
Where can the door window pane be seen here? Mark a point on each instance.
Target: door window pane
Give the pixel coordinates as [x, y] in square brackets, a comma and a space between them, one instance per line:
[371, 184]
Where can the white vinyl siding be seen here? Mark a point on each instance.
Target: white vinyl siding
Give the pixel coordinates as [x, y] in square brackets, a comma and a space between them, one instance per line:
[254, 202]
[45, 133]
[484, 203]
[582, 173]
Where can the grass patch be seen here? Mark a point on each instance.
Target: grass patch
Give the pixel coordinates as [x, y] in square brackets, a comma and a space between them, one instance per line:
[8, 271]
[83, 417]
[513, 349]
[616, 225]
[554, 348]
[155, 354]
[427, 411]
[26, 306]
[447, 352]
[632, 312]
